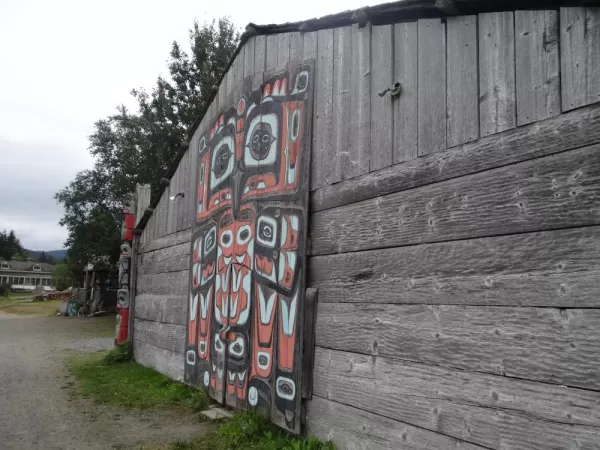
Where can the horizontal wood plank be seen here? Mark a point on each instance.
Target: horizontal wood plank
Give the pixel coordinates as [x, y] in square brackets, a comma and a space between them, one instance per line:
[557, 191]
[167, 336]
[551, 268]
[542, 344]
[167, 241]
[163, 361]
[167, 259]
[567, 131]
[161, 308]
[484, 409]
[353, 428]
[172, 283]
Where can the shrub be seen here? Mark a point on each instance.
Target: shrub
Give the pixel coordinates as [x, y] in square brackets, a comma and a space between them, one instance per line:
[120, 354]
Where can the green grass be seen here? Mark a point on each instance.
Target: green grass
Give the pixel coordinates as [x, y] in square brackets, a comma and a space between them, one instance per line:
[13, 305]
[247, 431]
[130, 385]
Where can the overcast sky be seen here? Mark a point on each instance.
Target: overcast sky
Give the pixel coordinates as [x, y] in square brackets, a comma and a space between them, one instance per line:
[65, 64]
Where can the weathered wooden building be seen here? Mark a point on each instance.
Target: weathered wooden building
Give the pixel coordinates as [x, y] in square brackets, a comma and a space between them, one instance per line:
[453, 189]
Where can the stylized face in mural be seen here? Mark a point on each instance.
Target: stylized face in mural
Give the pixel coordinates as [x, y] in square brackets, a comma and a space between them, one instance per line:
[246, 289]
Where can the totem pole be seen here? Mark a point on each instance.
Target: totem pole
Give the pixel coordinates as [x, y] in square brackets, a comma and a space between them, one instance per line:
[125, 265]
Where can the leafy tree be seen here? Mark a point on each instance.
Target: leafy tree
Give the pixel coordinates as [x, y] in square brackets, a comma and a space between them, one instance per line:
[62, 277]
[43, 257]
[138, 147]
[10, 245]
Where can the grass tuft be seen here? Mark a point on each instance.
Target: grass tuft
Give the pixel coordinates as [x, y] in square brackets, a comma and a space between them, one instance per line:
[248, 431]
[130, 385]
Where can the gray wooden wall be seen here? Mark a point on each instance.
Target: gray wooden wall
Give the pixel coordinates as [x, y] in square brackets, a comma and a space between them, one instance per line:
[455, 231]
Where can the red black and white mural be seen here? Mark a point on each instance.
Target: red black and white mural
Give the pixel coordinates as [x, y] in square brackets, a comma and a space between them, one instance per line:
[247, 280]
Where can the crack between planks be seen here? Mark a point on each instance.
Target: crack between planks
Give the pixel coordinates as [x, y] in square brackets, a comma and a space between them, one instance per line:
[412, 361]
[492, 235]
[467, 174]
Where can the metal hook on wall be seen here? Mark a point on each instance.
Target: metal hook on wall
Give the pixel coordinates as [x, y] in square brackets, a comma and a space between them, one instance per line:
[396, 90]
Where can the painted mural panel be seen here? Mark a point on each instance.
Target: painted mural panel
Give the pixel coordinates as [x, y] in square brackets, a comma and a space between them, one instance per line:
[245, 312]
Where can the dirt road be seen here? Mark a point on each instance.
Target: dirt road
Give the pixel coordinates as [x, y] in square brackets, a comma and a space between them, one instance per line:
[39, 408]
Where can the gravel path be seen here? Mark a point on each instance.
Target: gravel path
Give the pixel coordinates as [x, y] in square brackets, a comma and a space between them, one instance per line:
[39, 408]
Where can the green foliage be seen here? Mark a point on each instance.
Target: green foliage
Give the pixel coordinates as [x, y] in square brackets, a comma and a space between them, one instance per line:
[138, 147]
[10, 245]
[62, 277]
[247, 431]
[120, 354]
[130, 385]
[4, 289]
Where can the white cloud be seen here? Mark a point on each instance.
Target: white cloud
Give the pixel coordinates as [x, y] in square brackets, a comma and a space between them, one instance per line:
[65, 64]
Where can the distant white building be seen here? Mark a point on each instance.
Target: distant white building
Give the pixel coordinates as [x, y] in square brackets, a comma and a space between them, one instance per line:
[26, 275]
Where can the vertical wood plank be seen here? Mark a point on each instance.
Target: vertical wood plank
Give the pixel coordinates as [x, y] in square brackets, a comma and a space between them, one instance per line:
[497, 110]
[283, 51]
[190, 187]
[462, 96]
[579, 56]
[356, 162]
[271, 51]
[342, 101]
[249, 57]
[432, 86]
[260, 54]
[309, 52]
[321, 161]
[173, 206]
[406, 129]
[296, 46]
[536, 62]
[381, 106]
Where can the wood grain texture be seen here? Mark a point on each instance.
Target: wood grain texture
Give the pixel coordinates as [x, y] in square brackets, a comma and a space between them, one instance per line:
[574, 129]
[271, 52]
[432, 86]
[382, 62]
[406, 128]
[163, 361]
[322, 160]
[296, 47]
[342, 102]
[551, 345]
[172, 205]
[161, 308]
[353, 428]
[249, 57]
[537, 67]
[356, 161]
[283, 50]
[169, 259]
[497, 109]
[553, 268]
[167, 336]
[492, 411]
[167, 241]
[462, 77]
[579, 56]
[143, 200]
[553, 192]
[171, 283]
[187, 207]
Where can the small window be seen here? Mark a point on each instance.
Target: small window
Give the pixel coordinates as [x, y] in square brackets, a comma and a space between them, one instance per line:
[37, 268]
[4, 266]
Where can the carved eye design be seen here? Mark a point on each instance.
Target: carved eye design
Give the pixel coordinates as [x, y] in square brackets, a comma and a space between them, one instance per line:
[243, 235]
[301, 83]
[267, 231]
[227, 238]
[222, 161]
[210, 240]
[261, 141]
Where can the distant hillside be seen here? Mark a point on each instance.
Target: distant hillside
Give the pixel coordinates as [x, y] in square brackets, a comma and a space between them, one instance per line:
[57, 255]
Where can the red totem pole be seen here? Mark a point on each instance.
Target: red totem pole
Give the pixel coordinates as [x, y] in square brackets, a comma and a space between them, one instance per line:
[125, 261]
